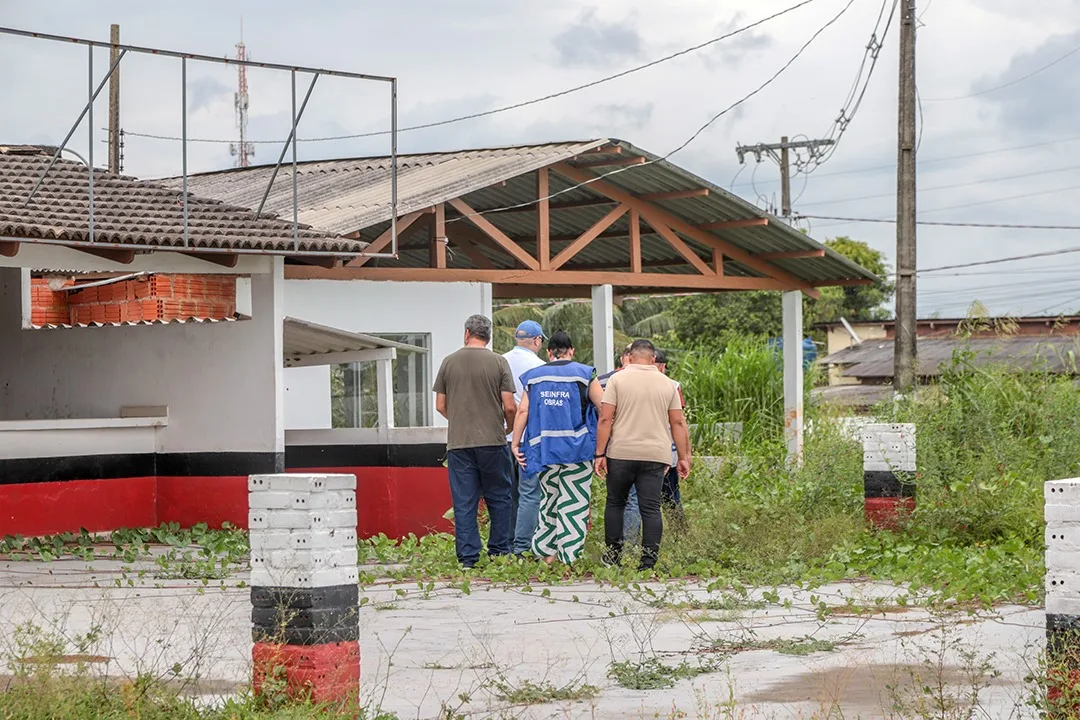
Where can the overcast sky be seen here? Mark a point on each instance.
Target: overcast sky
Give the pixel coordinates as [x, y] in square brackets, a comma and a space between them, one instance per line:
[469, 56]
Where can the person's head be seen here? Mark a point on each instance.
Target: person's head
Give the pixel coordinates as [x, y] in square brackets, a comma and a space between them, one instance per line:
[477, 331]
[560, 347]
[661, 361]
[529, 335]
[642, 352]
[624, 359]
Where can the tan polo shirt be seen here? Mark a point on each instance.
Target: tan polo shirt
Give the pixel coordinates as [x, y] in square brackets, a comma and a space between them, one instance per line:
[642, 396]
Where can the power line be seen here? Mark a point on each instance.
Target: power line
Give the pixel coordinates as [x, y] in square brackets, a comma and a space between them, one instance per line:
[514, 106]
[697, 133]
[889, 221]
[1030, 75]
[948, 187]
[947, 158]
[997, 261]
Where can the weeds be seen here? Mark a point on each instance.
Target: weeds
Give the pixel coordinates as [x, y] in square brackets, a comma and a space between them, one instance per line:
[651, 674]
[529, 693]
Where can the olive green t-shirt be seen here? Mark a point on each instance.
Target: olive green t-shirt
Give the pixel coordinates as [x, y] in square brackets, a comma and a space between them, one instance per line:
[642, 396]
[473, 380]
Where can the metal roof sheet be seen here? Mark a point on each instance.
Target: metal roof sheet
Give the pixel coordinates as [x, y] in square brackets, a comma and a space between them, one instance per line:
[353, 195]
[874, 358]
[303, 339]
[135, 213]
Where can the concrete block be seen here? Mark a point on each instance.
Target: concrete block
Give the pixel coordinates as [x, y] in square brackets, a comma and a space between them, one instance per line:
[1063, 538]
[292, 559]
[1061, 514]
[335, 538]
[1062, 582]
[258, 519]
[311, 482]
[325, 577]
[329, 500]
[269, 500]
[1062, 492]
[270, 540]
[1061, 560]
[1062, 606]
[339, 518]
[295, 519]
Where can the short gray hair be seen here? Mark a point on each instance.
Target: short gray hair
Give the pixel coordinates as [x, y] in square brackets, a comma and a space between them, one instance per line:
[479, 326]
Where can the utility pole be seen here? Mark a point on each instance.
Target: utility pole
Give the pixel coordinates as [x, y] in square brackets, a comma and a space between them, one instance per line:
[114, 101]
[905, 361]
[779, 153]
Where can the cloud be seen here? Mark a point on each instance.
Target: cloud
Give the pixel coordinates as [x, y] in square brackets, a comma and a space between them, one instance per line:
[205, 91]
[732, 51]
[626, 115]
[594, 42]
[1046, 103]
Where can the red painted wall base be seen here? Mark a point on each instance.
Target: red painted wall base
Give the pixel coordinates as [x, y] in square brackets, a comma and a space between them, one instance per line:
[394, 502]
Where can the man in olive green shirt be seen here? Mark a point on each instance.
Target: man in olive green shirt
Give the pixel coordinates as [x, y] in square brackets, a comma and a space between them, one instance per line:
[642, 412]
[474, 391]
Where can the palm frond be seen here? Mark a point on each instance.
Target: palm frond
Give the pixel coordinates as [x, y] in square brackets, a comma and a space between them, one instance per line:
[653, 325]
[514, 315]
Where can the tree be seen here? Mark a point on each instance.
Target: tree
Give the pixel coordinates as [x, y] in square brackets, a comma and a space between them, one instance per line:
[711, 319]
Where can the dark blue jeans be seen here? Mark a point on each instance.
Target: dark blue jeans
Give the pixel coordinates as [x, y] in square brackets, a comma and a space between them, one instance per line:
[476, 472]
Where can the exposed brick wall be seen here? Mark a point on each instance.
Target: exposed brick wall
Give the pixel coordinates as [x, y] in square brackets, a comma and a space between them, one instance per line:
[48, 307]
[156, 297]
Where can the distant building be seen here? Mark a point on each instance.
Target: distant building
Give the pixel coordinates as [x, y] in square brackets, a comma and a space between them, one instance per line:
[860, 361]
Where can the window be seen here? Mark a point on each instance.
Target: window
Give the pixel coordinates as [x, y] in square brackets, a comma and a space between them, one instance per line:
[354, 388]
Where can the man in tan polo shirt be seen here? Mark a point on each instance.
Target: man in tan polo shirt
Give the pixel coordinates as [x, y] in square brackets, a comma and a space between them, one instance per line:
[641, 414]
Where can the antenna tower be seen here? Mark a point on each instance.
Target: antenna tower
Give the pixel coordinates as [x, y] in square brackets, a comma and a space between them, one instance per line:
[244, 149]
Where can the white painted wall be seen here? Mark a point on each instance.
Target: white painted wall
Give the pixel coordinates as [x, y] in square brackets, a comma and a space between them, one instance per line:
[374, 307]
[221, 382]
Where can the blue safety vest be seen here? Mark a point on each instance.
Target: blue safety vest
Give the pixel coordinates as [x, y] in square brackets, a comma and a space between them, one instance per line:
[562, 421]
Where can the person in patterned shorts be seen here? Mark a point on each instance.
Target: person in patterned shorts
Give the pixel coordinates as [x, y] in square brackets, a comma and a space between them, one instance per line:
[555, 435]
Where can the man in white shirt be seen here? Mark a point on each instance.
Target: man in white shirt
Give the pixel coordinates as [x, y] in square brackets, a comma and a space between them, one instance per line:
[529, 336]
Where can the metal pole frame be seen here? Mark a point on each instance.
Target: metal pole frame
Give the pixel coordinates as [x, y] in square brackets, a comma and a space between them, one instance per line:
[184, 57]
[183, 143]
[87, 108]
[90, 94]
[290, 141]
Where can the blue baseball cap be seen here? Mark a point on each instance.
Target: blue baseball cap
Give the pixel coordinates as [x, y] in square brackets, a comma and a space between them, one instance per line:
[529, 329]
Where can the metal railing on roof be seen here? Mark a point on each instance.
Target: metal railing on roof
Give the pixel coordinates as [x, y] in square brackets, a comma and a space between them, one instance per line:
[93, 92]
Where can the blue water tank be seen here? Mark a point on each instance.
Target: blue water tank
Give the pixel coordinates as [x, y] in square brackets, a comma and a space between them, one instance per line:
[808, 347]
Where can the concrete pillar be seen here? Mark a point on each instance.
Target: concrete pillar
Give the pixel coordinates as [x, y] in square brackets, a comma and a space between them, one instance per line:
[487, 304]
[268, 315]
[304, 586]
[1062, 513]
[888, 472]
[793, 375]
[603, 329]
[384, 376]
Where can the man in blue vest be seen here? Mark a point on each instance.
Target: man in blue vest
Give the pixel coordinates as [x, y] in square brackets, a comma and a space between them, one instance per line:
[528, 338]
[554, 437]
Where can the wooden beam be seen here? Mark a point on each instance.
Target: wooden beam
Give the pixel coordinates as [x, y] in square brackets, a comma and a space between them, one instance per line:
[323, 261]
[674, 194]
[613, 234]
[635, 241]
[717, 261]
[680, 247]
[553, 206]
[9, 248]
[543, 219]
[614, 162]
[495, 234]
[517, 276]
[223, 259]
[588, 236]
[540, 292]
[472, 252]
[846, 282]
[790, 282]
[124, 257]
[380, 243]
[791, 255]
[437, 238]
[734, 224]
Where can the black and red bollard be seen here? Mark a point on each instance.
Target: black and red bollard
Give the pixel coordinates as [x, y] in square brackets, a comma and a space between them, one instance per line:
[888, 473]
[304, 587]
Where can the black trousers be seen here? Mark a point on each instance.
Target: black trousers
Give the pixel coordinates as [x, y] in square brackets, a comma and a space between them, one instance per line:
[648, 478]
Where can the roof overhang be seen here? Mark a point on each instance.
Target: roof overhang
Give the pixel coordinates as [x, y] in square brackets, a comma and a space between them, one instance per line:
[308, 344]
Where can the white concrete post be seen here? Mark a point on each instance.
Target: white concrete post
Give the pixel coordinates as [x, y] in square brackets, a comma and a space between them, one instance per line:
[1062, 513]
[487, 304]
[603, 329]
[304, 591]
[793, 375]
[384, 375]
